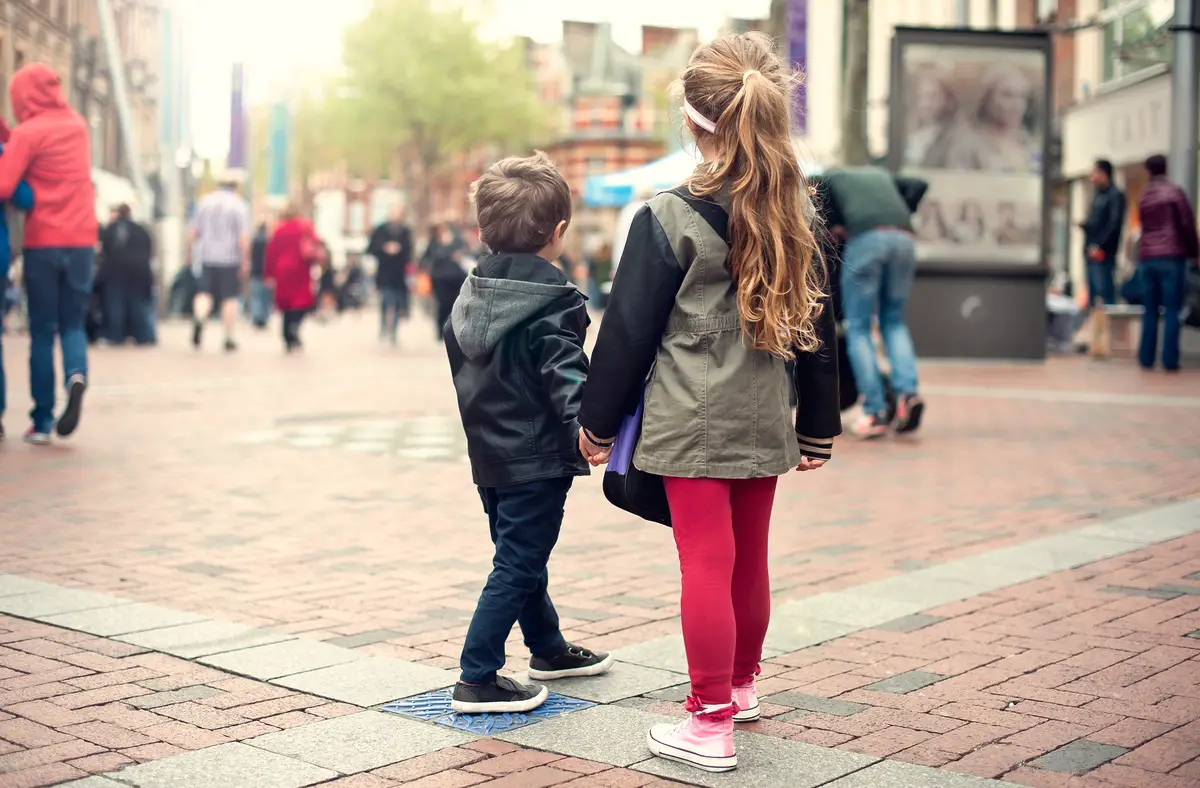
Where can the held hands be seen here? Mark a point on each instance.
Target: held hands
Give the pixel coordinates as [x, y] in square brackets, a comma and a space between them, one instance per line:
[809, 464]
[594, 453]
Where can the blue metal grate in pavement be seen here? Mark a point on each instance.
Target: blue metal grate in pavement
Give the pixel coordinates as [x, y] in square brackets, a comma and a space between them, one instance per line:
[435, 707]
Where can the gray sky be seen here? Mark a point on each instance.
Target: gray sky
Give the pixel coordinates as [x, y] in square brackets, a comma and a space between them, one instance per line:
[276, 43]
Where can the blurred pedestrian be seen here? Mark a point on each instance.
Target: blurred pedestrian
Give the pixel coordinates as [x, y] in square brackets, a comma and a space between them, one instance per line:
[1168, 241]
[391, 245]
[872, 210]
[287, 269]
[260, 294]
[127, 253]
[719, 287]
[220, 243]
[515, 346]
[443, 260]
[51, 149]
[327, 286]
[1102, 235]
[22, 199]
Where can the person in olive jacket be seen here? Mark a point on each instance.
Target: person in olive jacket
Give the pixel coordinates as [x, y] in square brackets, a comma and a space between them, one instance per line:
[515, 343]
[719, 287]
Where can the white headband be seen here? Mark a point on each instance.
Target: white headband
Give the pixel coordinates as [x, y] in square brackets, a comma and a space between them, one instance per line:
[698, 118]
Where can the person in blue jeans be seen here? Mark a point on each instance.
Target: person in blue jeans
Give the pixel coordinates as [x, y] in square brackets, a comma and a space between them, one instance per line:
[872, 210]
[22, 198]
[1168, 241]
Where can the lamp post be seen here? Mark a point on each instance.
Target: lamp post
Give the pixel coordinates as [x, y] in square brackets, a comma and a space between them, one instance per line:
[1185, 96]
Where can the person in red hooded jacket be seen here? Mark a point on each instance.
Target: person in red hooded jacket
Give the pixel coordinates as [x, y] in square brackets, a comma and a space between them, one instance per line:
[290, 255]
[50, 148]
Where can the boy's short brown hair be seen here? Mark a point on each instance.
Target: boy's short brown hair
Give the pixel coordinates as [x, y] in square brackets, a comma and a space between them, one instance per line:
[518, 203]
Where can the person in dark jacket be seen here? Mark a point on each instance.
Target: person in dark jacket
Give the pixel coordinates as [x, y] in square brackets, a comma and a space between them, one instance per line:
[515, 345]
[391, 245]
[1168, 241]
[872, 210]
[127, 253]
[1102, 235]
[443, 261]
[260, 294]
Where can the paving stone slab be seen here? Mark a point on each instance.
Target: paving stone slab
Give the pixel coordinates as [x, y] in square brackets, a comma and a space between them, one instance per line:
[1150, 527]
[14, 585]
[625, 680]
[677, 694]
[849, 607]
[171, 697]
[918, 589]
[767, 762]
[913, 623]
[1079, 757]
[365, 638]
[232, 765]
[988, 575]
[791, 631]
[361, 742]
[55, 601]
[277, 660]
[909, 681]
[607, 734]
[798, 700]
[1059, 553]
[1149, 593]
[897, 774]
[123, 620]
[204, 638]
[95, 782]
[664, 653]
[371, 681]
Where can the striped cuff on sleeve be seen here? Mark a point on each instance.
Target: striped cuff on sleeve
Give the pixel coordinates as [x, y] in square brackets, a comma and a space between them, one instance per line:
[817, 448]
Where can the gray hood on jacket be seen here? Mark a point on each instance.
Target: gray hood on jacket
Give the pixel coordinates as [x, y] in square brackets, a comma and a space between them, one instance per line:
[487, 309]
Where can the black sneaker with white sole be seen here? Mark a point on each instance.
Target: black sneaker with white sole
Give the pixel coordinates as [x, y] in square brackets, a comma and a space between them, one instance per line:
[69, 420]
[500, 696]
[574, 662]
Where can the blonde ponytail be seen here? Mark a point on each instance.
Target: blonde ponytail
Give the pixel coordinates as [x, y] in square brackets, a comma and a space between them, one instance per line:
[743, 86]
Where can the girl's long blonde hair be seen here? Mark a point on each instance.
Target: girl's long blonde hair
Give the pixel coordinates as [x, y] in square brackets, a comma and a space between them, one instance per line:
[743, 87]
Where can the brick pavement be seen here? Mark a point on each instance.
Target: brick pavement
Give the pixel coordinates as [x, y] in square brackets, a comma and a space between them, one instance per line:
[170, 495]
[73, 705]
[1088, 678]
[159, 499]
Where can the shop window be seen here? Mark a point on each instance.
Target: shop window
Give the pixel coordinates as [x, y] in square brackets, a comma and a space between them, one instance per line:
[1137, 40]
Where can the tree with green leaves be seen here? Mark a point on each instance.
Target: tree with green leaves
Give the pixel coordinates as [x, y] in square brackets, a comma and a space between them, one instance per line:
[420, 82]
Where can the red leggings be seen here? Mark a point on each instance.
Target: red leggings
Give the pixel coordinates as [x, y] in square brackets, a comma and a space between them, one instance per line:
[721, 528]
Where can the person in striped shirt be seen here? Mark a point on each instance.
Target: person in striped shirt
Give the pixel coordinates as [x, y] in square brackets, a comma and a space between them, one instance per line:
[219, 245]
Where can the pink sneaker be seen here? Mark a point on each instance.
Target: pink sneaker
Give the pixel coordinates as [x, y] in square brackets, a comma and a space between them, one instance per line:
[746, 699]
[703, 740]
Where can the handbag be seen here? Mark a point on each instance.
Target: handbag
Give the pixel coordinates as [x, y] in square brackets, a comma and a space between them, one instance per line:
[625, 485]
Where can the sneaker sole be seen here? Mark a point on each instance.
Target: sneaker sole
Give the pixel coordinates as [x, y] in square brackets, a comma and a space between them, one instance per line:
[42, 441]
[913, 422]
[69, 421]
[705, 762]
[598, 669]
[509, 706]
[748, 715]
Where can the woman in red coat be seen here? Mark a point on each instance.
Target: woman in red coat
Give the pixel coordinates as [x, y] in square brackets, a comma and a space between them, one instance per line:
[291, 252]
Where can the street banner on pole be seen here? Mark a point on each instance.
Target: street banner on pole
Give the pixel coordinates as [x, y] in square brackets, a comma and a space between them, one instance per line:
[277, 173]
[797, 25]
[237, 121]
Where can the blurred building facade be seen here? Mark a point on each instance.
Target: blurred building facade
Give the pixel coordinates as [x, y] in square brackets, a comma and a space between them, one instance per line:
[65, 35]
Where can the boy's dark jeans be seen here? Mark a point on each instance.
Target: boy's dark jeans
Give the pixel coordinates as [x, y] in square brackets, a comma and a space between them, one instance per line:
[524, 520]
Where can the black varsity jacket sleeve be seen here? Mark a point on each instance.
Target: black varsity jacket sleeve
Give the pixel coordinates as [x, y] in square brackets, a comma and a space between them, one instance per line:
[815, 374]
[643, 295]
[556, 342]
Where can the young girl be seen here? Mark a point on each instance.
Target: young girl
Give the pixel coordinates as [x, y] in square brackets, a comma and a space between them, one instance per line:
[719, 287]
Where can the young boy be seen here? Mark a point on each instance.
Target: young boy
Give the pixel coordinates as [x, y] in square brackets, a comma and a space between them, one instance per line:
[23, 199]
[515, 342]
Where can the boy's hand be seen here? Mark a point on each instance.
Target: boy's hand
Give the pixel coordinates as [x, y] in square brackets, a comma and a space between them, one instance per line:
[595, 455]
[809, 464]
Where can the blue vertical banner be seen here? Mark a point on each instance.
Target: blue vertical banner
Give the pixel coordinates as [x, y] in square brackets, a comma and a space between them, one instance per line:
[238, 122]
[797, 40]
[278, 154]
